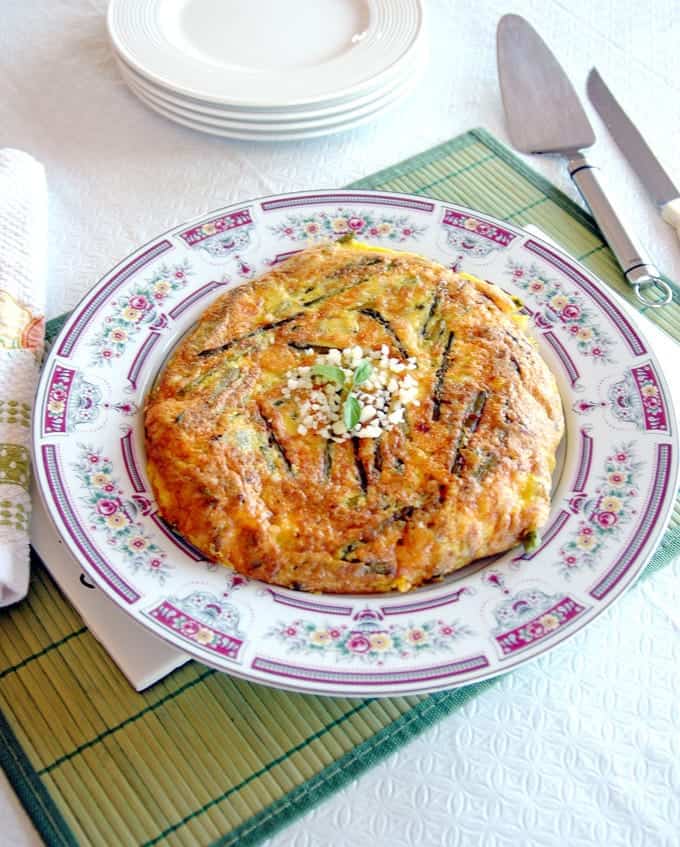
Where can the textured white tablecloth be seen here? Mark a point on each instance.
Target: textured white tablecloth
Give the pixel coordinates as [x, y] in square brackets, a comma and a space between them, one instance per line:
[583, 746]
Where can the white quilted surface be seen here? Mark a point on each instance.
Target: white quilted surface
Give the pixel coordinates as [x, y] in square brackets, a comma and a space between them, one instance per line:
[581, 748]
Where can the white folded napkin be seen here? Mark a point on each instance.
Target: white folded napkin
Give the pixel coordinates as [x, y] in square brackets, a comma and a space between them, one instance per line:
[23, 258]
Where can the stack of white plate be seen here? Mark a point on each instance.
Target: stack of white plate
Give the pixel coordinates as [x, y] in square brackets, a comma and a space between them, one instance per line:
[269, 69]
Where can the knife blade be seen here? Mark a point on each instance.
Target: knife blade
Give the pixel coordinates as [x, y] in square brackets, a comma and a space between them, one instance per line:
[545, 115]
[632, 144]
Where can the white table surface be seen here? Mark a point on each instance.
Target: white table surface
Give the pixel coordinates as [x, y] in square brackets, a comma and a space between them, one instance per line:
[579, 748]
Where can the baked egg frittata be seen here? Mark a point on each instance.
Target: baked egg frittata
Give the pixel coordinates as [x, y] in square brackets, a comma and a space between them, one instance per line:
[355, 420]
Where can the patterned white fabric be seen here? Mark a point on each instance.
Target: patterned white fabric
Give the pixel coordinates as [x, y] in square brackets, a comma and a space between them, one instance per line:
[23, 249]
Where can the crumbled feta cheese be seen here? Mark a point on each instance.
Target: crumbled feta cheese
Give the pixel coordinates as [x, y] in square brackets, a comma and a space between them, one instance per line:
[382, 395]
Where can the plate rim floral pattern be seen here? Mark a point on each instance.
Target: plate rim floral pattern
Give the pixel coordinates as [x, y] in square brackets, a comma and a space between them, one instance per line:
[521, 602]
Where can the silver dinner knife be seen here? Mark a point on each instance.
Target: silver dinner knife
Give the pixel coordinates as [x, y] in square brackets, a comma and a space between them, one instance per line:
[632, 144]
[544, 115]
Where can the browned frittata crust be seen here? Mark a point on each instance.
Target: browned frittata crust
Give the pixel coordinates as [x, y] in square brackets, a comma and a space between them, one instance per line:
[467, 475]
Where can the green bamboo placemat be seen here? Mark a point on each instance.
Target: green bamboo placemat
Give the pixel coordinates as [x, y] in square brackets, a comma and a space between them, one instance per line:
[201, 758]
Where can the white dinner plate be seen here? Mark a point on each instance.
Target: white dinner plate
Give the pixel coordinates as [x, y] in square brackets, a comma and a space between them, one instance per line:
[258, 112]
[170, 98]
[266, 54]
[614, 485]
[246, 135]
[284, 131]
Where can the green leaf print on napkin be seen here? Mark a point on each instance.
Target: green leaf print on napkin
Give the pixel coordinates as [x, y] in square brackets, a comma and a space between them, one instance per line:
[15, 412]
[14, 465]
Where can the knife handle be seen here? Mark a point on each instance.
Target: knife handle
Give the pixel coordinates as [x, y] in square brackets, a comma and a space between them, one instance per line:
[637, 267]
[670, 212]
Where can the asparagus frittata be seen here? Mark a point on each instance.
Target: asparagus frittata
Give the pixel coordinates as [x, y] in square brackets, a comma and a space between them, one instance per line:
[355, 420]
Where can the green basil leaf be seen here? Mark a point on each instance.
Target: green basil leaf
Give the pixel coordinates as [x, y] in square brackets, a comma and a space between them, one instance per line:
[351, 412]
[362, 373]
[330, 373]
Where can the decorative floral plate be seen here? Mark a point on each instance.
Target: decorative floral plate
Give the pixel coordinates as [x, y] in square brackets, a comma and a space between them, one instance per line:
[614, 485]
